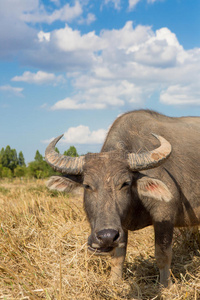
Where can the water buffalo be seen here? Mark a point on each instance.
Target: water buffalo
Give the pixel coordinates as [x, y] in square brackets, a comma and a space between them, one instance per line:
[147, 173]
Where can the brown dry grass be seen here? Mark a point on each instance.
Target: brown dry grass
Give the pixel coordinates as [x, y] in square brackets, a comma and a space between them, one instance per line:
[43, 252]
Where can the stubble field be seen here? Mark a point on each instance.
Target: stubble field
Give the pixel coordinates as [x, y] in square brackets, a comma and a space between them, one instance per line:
[43, 252]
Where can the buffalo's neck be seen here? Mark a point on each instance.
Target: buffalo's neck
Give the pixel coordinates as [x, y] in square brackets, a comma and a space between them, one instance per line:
[138, 218]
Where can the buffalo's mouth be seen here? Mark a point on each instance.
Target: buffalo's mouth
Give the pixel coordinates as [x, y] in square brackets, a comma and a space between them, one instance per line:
[105, 242]
[100, 250]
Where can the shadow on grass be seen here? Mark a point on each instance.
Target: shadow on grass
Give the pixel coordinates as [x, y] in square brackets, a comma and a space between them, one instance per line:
[186, 253]
[143, 274]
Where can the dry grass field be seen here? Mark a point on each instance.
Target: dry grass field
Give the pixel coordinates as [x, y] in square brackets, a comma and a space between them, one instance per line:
[43, 252]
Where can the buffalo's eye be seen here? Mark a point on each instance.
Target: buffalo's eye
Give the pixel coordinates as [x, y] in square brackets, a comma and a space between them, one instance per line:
[87, 187]
[125, 184]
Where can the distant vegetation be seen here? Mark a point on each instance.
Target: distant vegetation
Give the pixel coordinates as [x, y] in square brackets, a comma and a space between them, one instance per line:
[13, 164]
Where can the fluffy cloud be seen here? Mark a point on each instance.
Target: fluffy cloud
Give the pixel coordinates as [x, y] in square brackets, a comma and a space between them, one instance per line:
[69, 40]
[116, 3]
[88, 20]
[141, 45]
[65, 14]
[133, 3]
[15, 33]
[44, 36]
[116, 68]
[38, 78]
[10, 89]
[128, 66]
[159, 50]
[74, 104]
[100, 95]
[83, 135]
[181, 95]
[126, 37]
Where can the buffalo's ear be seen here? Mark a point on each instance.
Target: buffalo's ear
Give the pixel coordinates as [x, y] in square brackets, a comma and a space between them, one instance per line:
[63, 184]
[153, 188]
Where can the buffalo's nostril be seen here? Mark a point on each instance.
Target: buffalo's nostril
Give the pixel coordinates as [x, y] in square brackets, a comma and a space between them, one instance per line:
[107, 236]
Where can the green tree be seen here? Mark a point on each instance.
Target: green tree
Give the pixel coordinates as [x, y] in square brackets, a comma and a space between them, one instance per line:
[21, 160]
[71, 152]
[9, 158]
[1, 154]
[14, 160]
[38, 157]
[56, 149]
[20, 171]
[5, 156]
[39, 167]
[6, 172]
[1, 169]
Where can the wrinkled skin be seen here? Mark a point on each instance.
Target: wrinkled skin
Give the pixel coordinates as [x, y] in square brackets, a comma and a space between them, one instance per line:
[117, 199]
[112, 200]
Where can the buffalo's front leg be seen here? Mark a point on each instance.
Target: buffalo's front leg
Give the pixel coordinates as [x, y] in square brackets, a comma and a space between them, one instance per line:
[163, 250]
[117, 261]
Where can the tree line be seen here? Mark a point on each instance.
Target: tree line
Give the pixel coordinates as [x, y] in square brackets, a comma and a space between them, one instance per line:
[13, 164]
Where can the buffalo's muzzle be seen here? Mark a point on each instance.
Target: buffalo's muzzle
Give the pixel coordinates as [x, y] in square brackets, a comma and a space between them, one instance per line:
[107, 237]
[104, 241]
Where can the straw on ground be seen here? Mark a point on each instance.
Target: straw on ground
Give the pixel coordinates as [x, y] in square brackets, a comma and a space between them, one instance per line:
[43, 252]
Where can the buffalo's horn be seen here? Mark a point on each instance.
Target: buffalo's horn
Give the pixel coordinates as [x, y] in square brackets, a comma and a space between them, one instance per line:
[62, 163]
[150, 159]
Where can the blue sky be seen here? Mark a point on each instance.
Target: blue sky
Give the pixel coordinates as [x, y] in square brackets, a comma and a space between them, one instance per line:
[72, 67]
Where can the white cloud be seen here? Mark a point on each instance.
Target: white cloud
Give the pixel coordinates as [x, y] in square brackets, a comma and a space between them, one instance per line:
[126, 37]
[181, 95]
[67, 39]
[88, 20]
[16, 35]
[73, 104]
[48, 141]
[160, 49]
[10, 89]
[113, 93]
[65, 14]
[101, 96]
[153, 1]
[133, 3]
[116, 3]
[142, 45]
[116, 68]
[44, 36]
[83, 135]
[127, 66]
[38, 78]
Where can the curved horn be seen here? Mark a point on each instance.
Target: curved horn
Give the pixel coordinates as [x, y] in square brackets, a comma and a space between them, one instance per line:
[150, 159]
[62, 163]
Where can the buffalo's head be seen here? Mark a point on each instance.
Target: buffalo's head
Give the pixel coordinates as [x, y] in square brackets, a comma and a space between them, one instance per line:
[112, 181]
